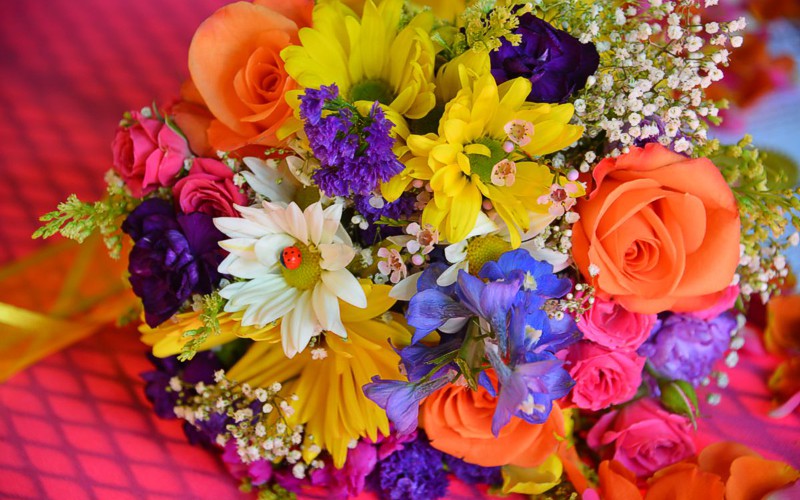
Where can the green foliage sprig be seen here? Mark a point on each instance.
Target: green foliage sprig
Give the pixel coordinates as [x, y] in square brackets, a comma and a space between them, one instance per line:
[77, 220]
[212, 304]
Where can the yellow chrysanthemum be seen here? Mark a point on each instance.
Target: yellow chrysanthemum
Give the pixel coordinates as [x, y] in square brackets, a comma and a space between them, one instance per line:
[168, 338]
[466, 162]
[328, 378]
[369, 59]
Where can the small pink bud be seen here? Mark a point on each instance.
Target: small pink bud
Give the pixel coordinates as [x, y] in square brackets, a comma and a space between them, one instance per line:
[508, 146]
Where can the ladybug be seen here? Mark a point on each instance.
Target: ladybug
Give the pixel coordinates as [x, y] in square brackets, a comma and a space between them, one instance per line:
[291, 258]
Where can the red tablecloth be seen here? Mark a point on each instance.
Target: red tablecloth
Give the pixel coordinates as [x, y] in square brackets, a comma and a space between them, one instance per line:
[77, 425]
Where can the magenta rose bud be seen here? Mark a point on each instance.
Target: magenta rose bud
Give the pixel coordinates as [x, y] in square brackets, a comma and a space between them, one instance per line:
[209, 189]
[148, 154]
[603, 377]
[643, 437]
[611, 325]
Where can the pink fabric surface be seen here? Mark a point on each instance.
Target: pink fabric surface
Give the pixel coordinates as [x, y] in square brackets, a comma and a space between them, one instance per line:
[77, 425]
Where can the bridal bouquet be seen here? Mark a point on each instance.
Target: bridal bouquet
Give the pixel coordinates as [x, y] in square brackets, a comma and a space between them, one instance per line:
[383, 244]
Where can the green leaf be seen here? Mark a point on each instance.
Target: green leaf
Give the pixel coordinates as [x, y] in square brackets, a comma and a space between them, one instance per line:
[678, 396]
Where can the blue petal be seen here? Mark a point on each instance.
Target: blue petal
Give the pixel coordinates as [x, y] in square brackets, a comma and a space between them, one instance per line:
[430, 309]
[469, 290]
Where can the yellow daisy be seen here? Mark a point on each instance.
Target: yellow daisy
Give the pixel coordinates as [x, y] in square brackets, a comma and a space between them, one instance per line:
[370, 59]
[466, 162]
[328, 378]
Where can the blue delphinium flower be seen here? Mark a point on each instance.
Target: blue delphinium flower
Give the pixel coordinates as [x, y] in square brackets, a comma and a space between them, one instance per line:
[355, 151]
[498, 319]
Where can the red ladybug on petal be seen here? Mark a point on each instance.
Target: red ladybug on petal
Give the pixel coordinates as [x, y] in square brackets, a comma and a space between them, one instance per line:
[291, 258]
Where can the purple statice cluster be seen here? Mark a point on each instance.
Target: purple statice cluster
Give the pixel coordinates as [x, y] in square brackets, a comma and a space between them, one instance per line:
[354, 151]
[415, 472]
[684, 347]
[174, 256]
[556, 63]
[399, 466]
[507, 299]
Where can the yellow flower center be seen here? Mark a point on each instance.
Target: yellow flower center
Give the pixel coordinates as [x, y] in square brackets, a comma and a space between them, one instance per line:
[484, 249]
[483, 165]
[372, 90]
[308, 274]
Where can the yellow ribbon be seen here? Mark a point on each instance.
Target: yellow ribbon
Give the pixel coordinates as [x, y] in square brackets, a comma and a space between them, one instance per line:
[58, 296]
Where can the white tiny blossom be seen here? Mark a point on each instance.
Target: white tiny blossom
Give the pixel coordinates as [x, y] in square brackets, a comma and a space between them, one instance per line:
[736, 41]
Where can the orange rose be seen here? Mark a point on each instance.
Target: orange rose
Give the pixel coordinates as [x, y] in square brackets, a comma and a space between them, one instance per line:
[617, 482]
[723, 470]
[235, 63]
[458, 421]
[660, 231]
[782, 334]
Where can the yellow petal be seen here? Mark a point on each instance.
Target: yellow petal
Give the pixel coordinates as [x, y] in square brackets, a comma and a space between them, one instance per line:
[532, 481]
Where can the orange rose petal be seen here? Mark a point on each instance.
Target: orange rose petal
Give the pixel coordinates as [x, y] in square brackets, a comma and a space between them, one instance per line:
[753, 477]
[783, 324]
[718, 457]
[617, 482]
[298, 11]
[684, 481]
[690, 214]
[221, 47]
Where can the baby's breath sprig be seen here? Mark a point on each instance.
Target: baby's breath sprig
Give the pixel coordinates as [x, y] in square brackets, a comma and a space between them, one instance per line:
[767, 209]
[77, 220]
[656, 62]
[211, 305]
[257, 420]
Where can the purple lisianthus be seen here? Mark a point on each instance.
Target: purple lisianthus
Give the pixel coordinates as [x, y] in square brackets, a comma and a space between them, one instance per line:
[416, 472]
[555, 62]
[686, 348]
[173, 257]
[355, 151]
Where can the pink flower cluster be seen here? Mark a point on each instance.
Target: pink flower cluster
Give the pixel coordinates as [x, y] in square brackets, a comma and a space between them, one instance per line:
[149, 154]
[605, 365]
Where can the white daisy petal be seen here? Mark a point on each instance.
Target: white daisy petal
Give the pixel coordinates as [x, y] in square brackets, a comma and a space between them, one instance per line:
[296, 329]
[268, 249]
[315, 220]
[273, 309]
[345, 286]
[406, 288]
[326, 309]
[453, 325]
[242, 294]
[243, 268]
[484, 225]
[236, 227]
[267, 180]
[456, 252]
[332, 224]
[335, 257]
[450, 275]
[293, 222]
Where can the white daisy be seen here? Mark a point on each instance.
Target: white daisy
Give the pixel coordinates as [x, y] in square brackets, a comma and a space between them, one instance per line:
[304, 293]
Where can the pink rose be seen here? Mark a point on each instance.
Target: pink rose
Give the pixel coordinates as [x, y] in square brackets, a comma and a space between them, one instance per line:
[603, 377]
[725, 303]
[209, 189]
[611, 325]
[643, 437]
[148, 154]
